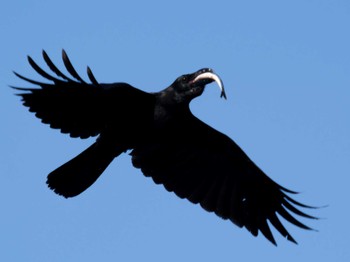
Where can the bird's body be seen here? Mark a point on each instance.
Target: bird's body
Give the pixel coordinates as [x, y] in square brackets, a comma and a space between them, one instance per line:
[166, 141]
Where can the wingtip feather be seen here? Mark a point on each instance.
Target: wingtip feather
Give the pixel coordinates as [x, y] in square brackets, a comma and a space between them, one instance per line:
[91, 76]
[70, 67]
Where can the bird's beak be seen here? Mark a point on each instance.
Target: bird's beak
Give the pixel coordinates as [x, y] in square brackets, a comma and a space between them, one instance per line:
[211, 75]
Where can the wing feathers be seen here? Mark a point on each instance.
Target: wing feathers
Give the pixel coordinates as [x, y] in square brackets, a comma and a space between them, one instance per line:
[278, 225]
[30, 81]
[91, 76]
[297, 211]
[70, 67]
[210, 199]
[223, 200]
[200, 190]
[41, 71]
[76, 107]
[283, 212]
[214, 172]
[53, 68]
[266, 231]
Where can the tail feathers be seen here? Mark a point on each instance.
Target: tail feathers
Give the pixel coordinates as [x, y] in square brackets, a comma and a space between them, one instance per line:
[81, 172]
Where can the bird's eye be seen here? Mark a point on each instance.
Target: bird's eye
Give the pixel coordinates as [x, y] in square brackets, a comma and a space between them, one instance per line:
[184, 79]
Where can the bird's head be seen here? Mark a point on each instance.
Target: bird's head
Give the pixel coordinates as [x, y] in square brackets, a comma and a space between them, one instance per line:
[189, 86]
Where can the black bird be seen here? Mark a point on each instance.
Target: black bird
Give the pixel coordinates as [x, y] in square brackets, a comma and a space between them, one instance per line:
[167, 142]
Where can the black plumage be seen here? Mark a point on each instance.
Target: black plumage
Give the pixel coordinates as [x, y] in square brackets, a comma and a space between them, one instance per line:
[167, 142]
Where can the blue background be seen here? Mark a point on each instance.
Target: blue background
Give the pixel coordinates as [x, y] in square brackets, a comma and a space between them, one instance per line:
[286, 68]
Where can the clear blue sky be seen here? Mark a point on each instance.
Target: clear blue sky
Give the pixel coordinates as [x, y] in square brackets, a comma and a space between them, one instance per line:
[286, 67]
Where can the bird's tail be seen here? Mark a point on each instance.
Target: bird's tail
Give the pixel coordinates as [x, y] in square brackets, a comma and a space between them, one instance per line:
[81, 172]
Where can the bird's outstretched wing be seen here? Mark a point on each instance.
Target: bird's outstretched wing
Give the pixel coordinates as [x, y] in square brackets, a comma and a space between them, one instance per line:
[207, 167]
[74, 106]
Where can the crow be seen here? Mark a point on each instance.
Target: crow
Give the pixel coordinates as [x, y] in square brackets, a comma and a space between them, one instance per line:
[165, 140]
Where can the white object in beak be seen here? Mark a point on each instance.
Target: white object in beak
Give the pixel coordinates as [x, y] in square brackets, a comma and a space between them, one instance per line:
[216, 78]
